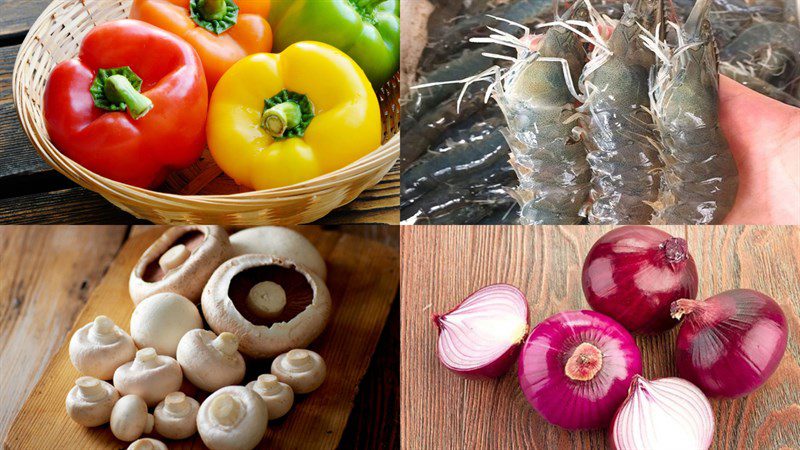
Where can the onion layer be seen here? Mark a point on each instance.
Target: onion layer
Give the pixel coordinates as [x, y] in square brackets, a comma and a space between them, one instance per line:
[731, 343]
[575, 368]
[633, 273]
[481, 336]
[665, 414]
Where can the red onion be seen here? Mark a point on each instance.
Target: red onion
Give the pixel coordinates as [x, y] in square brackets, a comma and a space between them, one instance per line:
[633, 273]
[575, 368]
[481, 336]
[665, 414]
[731, 343]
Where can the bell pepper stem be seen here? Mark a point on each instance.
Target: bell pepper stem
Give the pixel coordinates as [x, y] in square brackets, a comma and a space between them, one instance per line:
[118, 89]
[213, 9]
[281, 117]
[367, 4]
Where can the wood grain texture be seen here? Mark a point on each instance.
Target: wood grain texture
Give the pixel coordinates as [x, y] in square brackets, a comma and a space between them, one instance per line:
[441, 265]
[16, 16]
[363, 278]
[45, 281]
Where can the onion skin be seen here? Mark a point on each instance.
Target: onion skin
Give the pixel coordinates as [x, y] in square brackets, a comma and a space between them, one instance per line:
[731, 343]
[495, 304]
[664, 414]
[567, 402]
[633, 273]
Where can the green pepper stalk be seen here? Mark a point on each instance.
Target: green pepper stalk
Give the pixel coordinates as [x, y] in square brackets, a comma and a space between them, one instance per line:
[216, 16]
[287, 115]
[119, 89]
[212, 9]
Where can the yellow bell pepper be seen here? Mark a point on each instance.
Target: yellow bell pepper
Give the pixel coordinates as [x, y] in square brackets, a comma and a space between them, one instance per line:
[280, 119]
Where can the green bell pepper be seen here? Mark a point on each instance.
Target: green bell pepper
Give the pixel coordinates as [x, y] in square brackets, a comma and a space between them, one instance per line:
[367, 30]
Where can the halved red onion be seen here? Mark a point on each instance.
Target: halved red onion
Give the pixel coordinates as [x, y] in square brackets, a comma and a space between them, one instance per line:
[575, 368]
[633, 273]
[664, 414]
[481, 336]
[731, 343]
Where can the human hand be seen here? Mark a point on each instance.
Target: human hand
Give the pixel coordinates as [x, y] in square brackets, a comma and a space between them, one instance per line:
[764, 137]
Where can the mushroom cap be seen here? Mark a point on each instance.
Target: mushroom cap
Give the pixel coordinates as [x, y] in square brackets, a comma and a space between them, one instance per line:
[100, 359]
[245, 416]
[204, 365]
[278, 396]
[90, 401]
[129, 418]
[305, 378]
[189, 278]
[159, 321]
[147, 444]
[279, 242]
[271, 337]
[176, 416]
[151, 380]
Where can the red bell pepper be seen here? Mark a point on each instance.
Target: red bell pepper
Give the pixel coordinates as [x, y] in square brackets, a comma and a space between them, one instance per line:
[132, 106]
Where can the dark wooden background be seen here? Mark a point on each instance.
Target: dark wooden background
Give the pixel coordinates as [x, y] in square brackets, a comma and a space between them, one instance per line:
[31, 192]
[442, 265]
[47, 273]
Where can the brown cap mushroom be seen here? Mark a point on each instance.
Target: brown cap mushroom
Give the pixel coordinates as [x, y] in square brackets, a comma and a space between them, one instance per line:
[129, 418]
[149, 375]
[159, 321]
[147, 444]
[99, 347]
[276, 395]
[180, 261]
[210, 361]
[176, 416]
[279, 242]
[301, 369]
[232, 418]
[90, 401]
[234, 300]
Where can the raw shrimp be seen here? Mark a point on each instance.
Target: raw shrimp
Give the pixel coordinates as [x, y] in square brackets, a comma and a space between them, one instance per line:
[743, 75]
[700, 179]
[769, 50]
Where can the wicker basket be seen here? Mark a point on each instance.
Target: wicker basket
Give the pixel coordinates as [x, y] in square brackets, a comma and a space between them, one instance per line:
[201, 193]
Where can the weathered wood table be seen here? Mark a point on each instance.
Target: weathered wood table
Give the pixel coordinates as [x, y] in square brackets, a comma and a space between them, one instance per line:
[442, 265]
[32, 192]
[47, 275]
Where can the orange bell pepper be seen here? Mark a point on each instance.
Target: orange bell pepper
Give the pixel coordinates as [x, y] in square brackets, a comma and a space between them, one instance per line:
[249, 30]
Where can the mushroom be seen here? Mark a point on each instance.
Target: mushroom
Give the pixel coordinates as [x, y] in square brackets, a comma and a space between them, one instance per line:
[232, 418]
[147, 444]
[276, 395]
[282, 243]
[160, 321]
[149, 375]
[301, 369]
[180, 261]
[99, 347]
[176, 416]
[269, 318]
[210, 361]
[129, 418]
[90, 401]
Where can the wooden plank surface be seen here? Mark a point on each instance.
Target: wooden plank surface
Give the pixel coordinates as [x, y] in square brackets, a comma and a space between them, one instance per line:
[17, 16]
[367, 409]
[441, 265]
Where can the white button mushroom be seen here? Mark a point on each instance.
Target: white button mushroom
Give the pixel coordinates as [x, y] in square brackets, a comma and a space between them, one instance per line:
[90, 401]
[276, 395]
[281, 243]
[149, 375]
[210, 361]
[176, 416]
[232, 418]
[301, 369]
[271, 304]
[147, 444]
[180, 261]
[160, 321]
[129, 418]
[99, 347]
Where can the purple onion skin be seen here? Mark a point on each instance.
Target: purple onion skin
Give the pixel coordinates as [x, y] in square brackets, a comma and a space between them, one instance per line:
[731, 343]
[633, 273]
[569, 403]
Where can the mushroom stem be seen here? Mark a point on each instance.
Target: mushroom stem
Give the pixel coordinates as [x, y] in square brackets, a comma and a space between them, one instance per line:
[267, 384]
[146, 358]
[177, 405]
[227, 343]
[267, 299]
[149, 424]
[174, 257]
[226, 410]
[90, 388]
[103, 330]
[299, 359]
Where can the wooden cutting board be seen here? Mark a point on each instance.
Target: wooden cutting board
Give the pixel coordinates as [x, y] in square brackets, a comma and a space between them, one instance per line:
[363, 280]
